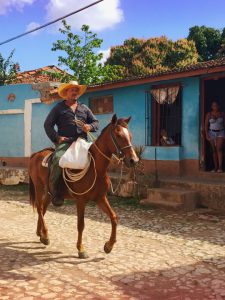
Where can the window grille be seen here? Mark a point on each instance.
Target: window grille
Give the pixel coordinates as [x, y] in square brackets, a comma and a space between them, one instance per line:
[165, 116]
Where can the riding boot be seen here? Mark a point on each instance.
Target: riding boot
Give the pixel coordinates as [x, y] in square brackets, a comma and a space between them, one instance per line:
[55, 176]
[55, 190]
[55, 185]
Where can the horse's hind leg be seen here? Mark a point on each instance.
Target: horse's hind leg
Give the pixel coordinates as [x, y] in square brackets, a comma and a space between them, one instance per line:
[105, 206]
[42, 230]
[80, 227]
[39, 226]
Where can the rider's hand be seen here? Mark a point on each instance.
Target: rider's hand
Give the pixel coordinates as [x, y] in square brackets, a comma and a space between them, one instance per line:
[62, 139]
[86, 128]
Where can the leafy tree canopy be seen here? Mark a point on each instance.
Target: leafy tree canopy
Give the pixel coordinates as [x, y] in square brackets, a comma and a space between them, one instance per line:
[8, 69]
[143, 57]
[81, 57]
[210, 42]
[135, 57]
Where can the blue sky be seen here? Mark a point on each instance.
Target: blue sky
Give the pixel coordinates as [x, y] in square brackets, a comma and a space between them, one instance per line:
[113, 20]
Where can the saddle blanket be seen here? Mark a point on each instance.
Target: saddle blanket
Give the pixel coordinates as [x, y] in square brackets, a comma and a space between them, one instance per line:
[76, 156]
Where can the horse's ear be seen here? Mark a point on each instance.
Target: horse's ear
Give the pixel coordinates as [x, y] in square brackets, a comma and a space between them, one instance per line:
[127, 120]
[114, 119]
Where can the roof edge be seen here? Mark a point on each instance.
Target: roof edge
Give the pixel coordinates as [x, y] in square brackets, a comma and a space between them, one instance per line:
[163, 77]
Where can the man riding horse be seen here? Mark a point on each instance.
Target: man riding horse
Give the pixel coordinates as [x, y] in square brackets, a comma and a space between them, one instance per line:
[115, 139]
[64, 116]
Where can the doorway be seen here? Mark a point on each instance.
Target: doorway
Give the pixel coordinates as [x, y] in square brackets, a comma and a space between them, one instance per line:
[213, 89]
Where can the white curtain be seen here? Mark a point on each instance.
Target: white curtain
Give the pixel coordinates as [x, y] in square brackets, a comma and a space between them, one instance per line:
[165, 95]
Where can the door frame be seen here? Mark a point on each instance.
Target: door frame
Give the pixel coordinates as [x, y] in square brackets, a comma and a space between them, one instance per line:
[202, 141]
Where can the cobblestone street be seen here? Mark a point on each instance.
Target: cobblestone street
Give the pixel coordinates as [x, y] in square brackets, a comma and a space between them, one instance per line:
[158, 255]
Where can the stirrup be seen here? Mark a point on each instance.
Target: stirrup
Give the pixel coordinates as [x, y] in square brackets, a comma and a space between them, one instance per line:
[58, 202]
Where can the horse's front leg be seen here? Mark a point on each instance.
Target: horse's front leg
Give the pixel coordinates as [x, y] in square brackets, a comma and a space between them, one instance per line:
[80, 227]
[42, 230]
[103, 203]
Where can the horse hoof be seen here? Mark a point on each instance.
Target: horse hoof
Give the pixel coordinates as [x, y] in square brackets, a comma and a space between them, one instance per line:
[107, 248]
[83, 255]
[44, 241]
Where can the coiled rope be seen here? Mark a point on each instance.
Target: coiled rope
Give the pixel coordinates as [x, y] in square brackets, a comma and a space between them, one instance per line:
[69, 176]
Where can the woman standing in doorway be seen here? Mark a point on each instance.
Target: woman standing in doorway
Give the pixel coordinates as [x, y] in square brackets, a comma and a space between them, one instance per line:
[215, 134]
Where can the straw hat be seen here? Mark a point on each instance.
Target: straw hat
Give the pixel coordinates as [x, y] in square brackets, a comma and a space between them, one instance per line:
[72, 84]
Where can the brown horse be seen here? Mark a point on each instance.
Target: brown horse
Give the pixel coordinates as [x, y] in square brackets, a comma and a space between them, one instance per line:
[114, 139]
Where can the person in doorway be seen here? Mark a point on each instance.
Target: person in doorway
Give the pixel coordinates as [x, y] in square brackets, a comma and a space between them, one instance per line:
[215, 134]
[63, 116]
[165, 140]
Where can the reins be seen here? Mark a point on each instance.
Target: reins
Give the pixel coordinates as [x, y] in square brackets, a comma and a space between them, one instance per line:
[93, 139]
[69, 176]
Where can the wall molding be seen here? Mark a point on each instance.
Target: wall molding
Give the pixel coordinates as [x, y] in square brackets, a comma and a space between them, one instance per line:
[28, 124]
[11, 111]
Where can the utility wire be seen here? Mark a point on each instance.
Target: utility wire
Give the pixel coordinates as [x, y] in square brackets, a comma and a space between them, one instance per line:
[50, 23]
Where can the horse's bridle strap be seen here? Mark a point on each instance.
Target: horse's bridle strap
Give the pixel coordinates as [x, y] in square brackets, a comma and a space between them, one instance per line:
[128, 146]
[118, 148]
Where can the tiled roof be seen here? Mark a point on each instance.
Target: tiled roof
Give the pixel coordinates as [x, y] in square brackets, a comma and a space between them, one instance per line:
[212, 64]
[36, 76]
[49, 92]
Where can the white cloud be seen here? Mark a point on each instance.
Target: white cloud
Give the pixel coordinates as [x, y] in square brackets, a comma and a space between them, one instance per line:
[7, 5]
[31, 26]
[106, 54]
[103, 15]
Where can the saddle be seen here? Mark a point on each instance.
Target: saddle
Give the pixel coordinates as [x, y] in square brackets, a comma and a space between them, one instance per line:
[47, 160]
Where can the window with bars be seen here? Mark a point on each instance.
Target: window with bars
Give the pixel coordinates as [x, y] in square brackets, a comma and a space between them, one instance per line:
[101, 105]
[165, 122]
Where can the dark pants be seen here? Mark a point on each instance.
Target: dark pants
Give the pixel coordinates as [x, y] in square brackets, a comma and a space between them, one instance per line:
[55, 170]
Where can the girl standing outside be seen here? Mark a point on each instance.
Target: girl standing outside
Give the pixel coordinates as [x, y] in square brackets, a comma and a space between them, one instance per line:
[215, 134]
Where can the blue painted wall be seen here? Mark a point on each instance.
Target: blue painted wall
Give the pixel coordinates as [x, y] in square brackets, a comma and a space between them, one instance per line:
[131, 101]
[127, 101]
[22, 92]
[190, 118]
[39, 139]
[12, 126]
[12, 135]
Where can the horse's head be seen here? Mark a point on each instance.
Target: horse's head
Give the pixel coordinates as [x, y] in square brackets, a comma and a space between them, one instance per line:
[121, 141]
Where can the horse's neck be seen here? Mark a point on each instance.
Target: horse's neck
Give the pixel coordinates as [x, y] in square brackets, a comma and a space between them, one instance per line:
[101, 162]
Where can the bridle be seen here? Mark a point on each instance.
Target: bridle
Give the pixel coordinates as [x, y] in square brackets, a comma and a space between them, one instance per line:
[119, 150]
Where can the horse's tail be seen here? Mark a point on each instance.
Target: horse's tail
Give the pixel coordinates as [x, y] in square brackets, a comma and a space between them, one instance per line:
[32, 192]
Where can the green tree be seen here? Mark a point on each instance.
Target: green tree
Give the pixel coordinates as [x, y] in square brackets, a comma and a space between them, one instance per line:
[142, 57]
[81, 57]
[221, 51]
[8, 69]
[181, 54]
[124, 55]
[208, 41]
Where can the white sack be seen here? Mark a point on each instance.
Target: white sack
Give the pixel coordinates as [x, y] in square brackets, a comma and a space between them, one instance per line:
[76, 156]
